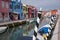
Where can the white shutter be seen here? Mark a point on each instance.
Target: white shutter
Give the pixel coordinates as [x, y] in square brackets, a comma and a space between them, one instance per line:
[2, 4]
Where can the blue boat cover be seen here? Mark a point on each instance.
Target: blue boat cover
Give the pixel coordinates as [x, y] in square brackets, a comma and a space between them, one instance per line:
[44, 29]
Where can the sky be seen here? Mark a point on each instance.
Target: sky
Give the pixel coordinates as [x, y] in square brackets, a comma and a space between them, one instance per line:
[44, 4]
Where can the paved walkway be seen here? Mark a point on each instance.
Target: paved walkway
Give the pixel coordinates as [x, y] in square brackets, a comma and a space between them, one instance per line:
[56, 34]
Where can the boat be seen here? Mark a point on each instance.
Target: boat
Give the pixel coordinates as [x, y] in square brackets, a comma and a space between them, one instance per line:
[2, 29]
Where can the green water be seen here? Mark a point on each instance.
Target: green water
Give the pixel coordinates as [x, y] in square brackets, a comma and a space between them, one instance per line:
[13, 33]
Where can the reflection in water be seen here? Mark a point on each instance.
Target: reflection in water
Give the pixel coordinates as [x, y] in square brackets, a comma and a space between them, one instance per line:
[14, 33]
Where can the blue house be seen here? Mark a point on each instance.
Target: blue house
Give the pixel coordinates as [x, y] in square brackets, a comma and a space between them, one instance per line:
[16, 7]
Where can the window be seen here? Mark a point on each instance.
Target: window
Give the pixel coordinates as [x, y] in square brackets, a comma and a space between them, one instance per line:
[0, 15]
[17, 6]
[11, 5]
[6, 14]
[26, 9]
[32, 11]
[32, 15]
[2, 4]
[7, 5]
[21, 14]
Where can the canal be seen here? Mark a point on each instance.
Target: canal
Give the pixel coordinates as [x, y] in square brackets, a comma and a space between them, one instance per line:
[21, 32]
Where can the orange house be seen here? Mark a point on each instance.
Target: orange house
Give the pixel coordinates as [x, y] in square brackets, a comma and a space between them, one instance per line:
[54, 12]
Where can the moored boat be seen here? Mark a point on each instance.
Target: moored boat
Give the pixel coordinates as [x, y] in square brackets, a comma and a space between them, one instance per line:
[2, 29]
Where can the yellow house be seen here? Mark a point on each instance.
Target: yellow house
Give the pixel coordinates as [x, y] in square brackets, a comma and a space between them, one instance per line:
[25, 10]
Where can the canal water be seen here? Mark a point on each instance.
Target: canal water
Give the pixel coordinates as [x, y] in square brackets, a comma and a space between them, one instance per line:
[18, 32]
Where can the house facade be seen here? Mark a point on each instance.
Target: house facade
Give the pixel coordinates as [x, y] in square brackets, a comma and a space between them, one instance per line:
[25, 11]
[32, 11]
[4, 10]
[16, 7]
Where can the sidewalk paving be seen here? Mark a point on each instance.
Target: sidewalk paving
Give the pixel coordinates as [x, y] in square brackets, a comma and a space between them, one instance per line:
[56, 31]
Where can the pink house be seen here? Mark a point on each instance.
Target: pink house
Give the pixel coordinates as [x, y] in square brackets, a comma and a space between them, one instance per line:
[4, 10]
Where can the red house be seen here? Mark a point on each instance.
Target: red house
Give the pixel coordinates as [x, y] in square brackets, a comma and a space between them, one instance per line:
[4, 10]
[31, 11]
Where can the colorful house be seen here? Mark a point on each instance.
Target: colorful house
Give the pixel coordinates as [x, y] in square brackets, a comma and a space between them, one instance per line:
[31, 11]
[16, 7]
[54, 12]
[25, 10]
[4, 10]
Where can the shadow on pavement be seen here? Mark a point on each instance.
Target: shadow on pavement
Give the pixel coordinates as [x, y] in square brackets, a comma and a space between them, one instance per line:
[25, 38]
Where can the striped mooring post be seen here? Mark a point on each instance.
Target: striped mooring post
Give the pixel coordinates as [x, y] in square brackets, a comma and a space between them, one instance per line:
[37, 22]
[37, 25]
[52, 24]
[52, 21]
